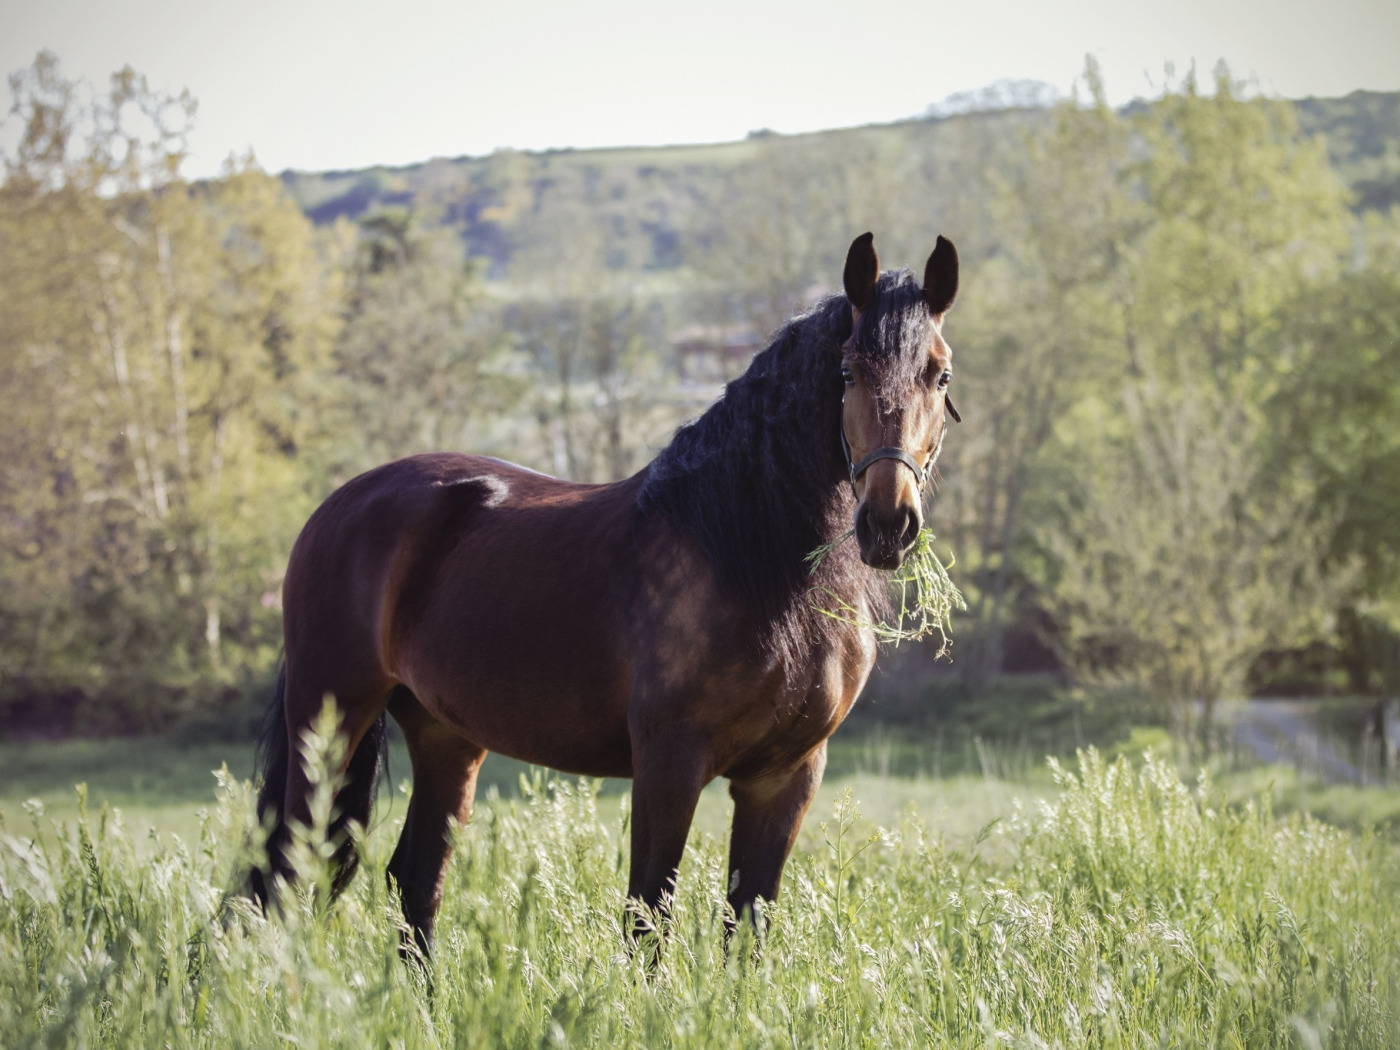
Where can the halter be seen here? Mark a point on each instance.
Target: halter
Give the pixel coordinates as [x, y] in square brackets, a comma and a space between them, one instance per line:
[884, 452]
[890, 451]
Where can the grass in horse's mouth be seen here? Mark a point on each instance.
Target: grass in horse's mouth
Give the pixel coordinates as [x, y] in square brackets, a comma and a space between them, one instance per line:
[927, 596]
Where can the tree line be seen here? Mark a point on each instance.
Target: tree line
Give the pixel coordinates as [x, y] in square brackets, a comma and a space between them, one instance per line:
[1178, 349]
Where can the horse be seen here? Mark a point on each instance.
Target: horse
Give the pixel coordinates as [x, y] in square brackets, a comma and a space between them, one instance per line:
[661, 628]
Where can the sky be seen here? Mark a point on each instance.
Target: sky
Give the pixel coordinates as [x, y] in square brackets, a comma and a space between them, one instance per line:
[316, 85]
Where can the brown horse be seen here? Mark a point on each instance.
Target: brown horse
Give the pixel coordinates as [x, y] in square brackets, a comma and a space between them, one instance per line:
[660, 628]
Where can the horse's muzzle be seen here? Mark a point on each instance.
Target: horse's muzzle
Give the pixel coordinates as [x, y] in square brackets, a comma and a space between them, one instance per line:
[884, 539]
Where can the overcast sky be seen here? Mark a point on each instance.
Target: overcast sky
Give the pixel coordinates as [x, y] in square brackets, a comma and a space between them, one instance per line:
[321, 84]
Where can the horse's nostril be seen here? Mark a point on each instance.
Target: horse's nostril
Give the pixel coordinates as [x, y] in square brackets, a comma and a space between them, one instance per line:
[864, 526]
[912, 526]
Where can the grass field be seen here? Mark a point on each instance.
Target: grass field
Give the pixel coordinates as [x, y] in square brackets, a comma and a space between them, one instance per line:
[1106, 905]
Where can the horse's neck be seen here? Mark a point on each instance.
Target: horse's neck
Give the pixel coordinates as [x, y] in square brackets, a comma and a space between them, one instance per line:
[798, 483]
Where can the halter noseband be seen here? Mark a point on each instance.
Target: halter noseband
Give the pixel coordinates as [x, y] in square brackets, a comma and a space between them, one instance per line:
[883, 452]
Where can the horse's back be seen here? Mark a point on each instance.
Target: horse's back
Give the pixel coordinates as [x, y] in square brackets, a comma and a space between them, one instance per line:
[336, 593]
[499, 596]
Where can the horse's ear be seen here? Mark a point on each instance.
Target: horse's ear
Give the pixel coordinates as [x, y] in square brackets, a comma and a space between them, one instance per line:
[862, 269]
[941, 277]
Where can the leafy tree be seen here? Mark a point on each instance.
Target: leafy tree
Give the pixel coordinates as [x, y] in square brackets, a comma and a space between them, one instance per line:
[421, 357]
[597, 397]
[1032, 341]
[1186, 554]
[1181, 551]
[153, 332]
[1338, 413]
[778, 225]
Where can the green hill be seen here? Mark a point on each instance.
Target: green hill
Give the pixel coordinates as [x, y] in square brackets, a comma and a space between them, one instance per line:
[1362, 132]
[645, 202]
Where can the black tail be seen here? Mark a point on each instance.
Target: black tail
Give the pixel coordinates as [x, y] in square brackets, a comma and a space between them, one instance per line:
[272, 754]
[354, 799]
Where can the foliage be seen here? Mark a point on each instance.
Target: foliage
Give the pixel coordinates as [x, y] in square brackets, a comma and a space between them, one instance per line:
[1031, 342]
[153, 336]
[1130, 910]
[1342, 342]
[1177, 555]
[1360, 134]
[1190, 557]
[419, 337]
[596, 391]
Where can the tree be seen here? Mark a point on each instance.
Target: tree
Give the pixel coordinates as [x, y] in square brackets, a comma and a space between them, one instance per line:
[1341, 344]
[420, 357]
[775, 233]
[1180, 551]
[1186, 554]
[155, 332]
[1031, 342]
[585, 327]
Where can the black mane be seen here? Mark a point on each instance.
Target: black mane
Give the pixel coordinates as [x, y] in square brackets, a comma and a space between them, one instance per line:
[760, 481]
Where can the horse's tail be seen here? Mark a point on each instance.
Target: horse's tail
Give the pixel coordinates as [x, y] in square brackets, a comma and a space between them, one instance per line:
[354, 800]
[273, 754]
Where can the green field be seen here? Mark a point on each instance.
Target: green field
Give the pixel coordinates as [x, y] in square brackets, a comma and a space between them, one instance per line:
[1103, 906]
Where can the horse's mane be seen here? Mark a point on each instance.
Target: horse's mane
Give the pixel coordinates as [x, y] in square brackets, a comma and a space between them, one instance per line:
[759, 481]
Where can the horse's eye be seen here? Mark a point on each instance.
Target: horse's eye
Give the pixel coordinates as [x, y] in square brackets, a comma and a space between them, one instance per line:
[847, 376]
[944, 380]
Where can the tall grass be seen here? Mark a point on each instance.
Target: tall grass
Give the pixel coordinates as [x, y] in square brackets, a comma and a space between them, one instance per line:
[1133, 910]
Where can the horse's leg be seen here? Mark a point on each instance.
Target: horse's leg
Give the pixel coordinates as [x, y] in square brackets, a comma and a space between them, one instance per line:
[444, 785]
[360, 709]
[768, 812]
[668, 775]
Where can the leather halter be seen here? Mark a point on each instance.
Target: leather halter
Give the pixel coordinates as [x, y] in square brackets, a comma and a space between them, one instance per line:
[890, 451]
[883, 452]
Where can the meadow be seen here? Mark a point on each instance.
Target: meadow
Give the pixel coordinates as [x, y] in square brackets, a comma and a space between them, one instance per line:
[1144, 291]
[1003, 901]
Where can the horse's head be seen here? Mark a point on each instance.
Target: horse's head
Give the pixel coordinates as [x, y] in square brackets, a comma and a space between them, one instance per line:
[897, 369]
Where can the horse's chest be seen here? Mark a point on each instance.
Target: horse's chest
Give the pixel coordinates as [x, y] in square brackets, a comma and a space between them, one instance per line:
[828, 696]
[787, 721]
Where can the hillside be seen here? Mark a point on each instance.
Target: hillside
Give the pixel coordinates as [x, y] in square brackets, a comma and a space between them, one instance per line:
[1362, 132]
[645, 202]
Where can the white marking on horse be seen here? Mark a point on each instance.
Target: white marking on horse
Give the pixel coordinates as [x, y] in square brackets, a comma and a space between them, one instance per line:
[496, 489]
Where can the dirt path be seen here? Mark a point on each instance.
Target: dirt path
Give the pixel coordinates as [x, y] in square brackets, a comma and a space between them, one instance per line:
[1283, 731]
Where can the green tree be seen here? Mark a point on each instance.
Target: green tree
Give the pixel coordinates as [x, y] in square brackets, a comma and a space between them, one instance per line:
[585, 327]
[775, 233]
[154, 332]
[423, 355]
[1181, 551]
[1339, 413]
[1034, 339]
